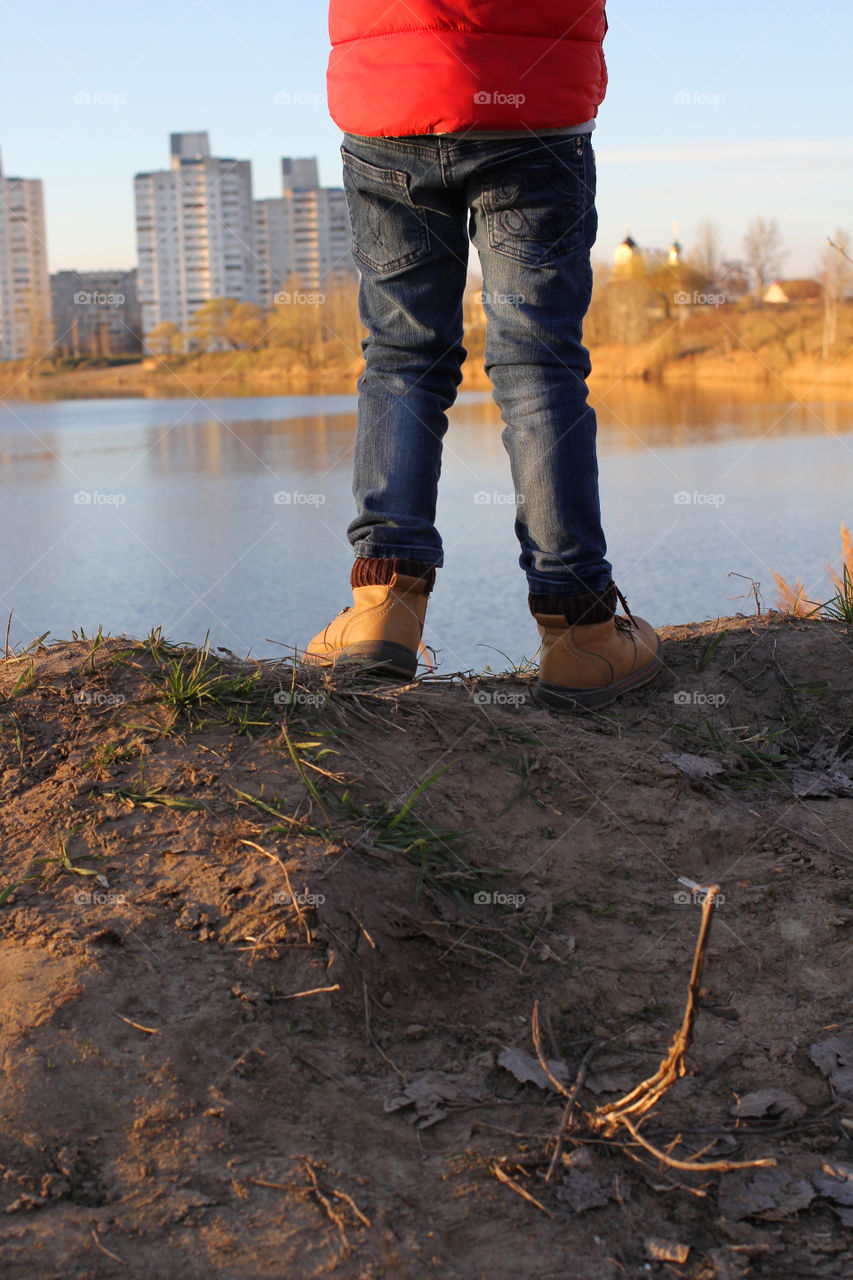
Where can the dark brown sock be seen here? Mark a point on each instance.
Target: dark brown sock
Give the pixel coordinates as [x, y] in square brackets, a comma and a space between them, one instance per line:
[377, 571]
[586, 609]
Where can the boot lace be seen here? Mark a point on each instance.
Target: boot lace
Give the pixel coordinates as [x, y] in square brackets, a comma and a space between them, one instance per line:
[624, 624]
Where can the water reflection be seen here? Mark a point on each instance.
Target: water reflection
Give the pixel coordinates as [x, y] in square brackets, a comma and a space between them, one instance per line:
[635, 415]
[217, 446]
[229, 515]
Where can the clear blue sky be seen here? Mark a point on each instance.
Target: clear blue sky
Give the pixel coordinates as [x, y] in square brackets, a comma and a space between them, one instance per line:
[724, 110]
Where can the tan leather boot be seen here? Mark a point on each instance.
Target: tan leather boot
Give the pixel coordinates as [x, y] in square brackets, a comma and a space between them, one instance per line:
[380, 631]
[590, 666]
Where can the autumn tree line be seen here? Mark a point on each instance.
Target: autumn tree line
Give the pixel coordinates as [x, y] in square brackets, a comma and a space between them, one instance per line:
[631, 305]
[320, 330]
[314, 329]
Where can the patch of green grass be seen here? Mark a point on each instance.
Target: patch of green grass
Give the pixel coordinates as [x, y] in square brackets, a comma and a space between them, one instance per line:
[293, 749]
[513, 670]
[151, 798]
[6, 893]
[81, 635]
[156, 644]
[8, 654]
[436, 852]
[62, 862]
[275, 811]
[19, 736]
[839, 608]
[635, 917]
[193, 680]
[199, 687]
[651, 1011]
[523, 767]
[52, 867]
[24, 681]
[95, 643]
[714, 642]
[107, 755]
[240, 718]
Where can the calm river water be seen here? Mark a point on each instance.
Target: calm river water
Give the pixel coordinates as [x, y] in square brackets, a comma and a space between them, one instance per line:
[230, 515]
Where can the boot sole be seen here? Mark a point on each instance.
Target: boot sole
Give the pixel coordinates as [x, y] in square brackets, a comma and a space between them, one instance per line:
[375, 658]
[554, 695]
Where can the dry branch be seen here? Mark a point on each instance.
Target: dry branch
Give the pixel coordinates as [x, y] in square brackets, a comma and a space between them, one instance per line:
[629, 1111]
[568, 1119]
[641, 1100]
[525, 1195]
[330, 1212]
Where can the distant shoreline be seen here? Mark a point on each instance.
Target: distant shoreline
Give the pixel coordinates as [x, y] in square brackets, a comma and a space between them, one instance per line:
[221, 375]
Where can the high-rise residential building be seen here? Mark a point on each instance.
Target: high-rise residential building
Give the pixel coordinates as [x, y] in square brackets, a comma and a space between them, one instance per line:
[25, 326]
[95, 312]
[304, 235]
[273, 246]
[194, 233]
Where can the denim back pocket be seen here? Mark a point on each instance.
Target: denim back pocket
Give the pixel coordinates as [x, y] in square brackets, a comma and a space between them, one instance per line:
[541, 207]
[388, 229]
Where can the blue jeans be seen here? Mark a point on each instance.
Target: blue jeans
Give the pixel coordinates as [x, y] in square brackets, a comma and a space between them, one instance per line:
[528, 205]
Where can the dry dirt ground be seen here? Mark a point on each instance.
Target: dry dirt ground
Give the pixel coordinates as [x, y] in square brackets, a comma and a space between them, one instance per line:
[266, 941]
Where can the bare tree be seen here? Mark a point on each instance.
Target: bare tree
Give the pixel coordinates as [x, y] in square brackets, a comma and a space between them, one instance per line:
[762, 248]
[706, 255]
[733, 279]
[835, 280]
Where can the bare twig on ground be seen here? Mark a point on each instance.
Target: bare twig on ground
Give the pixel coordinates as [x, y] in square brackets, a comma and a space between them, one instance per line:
[537, 1044]
[567, 1120]
[693, 1165]
[372, 1038]
[313, 991]
[629, 1111]
[324, 1201]
[525, 1195]
[152, 1031]
[641, 1100]
[275, 1186]
[342, 1195]
[294, 901]
[363, 929]
[103, 1248]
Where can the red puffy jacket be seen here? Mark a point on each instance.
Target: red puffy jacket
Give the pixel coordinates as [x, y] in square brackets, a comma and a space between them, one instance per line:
[429, 66]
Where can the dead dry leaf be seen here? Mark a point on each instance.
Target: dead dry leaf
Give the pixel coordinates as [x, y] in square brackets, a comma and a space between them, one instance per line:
[825, 773]
[610, 1081]
[770, 1102]
[526, 1068]
[588, 1183]
[835, 1183]
[834, 1057]
[613, 1073]
[693, 766]
[434, 1095]
[768, 1193]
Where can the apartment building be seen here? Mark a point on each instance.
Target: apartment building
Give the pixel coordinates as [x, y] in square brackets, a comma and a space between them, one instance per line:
[194, 233]
[25, 323]
[95, 312]
[303, 235]
[273, 228]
